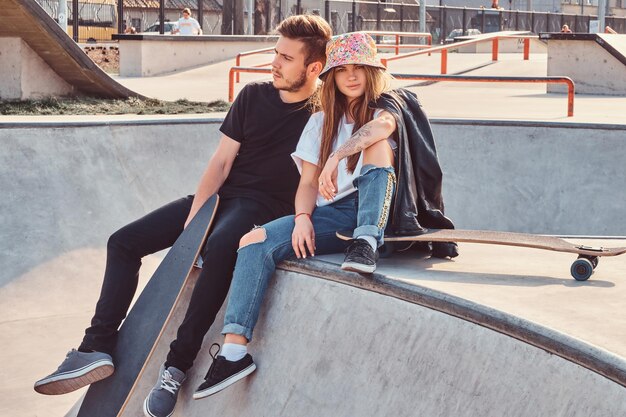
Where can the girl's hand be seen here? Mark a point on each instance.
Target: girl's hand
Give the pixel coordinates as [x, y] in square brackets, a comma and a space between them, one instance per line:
[303, 236]
[328, 178]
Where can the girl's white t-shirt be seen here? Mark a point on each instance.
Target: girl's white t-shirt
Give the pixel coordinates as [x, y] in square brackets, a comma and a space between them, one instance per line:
[308, 150]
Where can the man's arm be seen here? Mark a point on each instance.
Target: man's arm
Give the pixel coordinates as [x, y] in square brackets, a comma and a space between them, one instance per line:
[215, 173]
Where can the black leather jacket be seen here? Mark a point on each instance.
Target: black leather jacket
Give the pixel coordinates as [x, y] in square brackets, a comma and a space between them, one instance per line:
[418, 202]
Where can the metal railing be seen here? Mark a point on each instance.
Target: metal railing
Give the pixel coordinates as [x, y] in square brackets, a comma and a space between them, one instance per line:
[428, 37]
[397, 35]
[253, 52]
[443, 49]
[459, 78]
[490, 79]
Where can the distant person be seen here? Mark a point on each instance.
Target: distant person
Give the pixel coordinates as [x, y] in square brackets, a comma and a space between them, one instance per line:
[187, 25]
[565, 29]
[494, 4]
[130, 30]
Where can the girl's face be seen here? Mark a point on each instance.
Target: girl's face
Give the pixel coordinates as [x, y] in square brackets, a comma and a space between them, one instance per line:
[350, 80]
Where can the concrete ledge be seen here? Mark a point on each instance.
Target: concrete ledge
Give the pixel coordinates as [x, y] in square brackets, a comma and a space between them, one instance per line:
[149, 55]
[549, 178]
[593, 358]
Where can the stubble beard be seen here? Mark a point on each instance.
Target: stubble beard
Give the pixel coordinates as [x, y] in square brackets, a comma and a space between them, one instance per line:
[293, 86]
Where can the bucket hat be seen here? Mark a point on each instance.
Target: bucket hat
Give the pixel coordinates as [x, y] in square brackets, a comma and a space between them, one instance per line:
[351, 48]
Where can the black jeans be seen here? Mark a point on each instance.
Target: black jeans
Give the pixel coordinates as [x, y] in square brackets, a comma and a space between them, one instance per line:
[159, 230]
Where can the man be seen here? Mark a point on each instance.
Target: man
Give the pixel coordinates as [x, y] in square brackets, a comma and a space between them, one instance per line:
[187, 25]
[256, 179]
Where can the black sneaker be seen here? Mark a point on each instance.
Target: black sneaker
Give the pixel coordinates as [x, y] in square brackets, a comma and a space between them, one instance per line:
[360, 257]
[223, 373]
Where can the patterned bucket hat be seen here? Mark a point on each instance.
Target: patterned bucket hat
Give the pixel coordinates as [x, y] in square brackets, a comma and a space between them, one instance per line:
[351, 48]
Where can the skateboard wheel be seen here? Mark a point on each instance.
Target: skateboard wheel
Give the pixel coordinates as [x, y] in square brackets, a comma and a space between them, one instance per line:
[386, 250]
[582, 269]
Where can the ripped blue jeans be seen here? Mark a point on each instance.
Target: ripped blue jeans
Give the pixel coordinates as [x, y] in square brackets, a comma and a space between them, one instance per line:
[365, 211]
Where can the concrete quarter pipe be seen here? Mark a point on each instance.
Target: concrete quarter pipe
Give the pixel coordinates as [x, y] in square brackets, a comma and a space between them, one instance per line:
[25, 19]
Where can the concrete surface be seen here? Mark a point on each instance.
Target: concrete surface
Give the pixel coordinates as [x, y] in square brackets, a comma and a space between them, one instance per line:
[67, 188]
[471, 101]
[149, 55]
[25, 75]
[578, 59]
[344, 349]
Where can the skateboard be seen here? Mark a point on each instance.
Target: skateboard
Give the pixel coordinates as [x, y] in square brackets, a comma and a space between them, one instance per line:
[581, 269]
[150, 314]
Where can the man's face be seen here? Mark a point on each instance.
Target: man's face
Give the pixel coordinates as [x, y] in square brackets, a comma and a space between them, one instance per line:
[186, 15]
[288, 69]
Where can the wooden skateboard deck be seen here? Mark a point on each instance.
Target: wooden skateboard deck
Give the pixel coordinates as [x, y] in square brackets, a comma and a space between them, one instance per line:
[581, 269]
[148, 317]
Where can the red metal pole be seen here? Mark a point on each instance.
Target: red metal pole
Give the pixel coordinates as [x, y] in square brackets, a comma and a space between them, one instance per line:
[238, 64]
[231, 85]
[494, 49]
[570, 98]
[444, 61]
[397, 43]
[526, 49]
[430, 42]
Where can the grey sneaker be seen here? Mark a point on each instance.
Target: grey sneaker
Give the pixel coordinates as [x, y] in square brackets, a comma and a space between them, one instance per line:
[77, 370]
[162, 399]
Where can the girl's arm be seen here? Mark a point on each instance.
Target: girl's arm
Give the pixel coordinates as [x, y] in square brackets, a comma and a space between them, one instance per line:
[373, 131]
[303, 235]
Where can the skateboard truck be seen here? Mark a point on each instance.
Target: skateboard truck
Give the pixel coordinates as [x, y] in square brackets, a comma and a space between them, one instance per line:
[592, 248]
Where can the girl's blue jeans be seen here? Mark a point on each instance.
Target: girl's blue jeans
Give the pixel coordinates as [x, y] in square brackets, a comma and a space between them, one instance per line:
[365, 211]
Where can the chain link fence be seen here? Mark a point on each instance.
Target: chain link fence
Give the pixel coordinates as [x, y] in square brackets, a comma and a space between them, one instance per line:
[98, 19]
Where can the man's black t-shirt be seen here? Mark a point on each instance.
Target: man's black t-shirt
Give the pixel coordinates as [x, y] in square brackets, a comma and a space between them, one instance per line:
[268, 130]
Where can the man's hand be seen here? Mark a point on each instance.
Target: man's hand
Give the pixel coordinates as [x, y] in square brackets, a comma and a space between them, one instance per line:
[328, 178]
[303, 236]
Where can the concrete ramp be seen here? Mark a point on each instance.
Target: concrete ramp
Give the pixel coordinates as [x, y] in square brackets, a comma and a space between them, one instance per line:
[339, 344]
[67, 69]
[596, 62]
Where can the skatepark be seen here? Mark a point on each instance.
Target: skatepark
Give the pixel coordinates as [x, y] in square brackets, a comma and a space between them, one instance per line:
[497, 331]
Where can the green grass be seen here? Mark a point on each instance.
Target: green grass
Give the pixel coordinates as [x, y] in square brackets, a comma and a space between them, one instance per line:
[92, 106]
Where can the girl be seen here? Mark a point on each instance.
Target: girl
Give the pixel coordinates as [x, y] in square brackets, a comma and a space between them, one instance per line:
[346, 157]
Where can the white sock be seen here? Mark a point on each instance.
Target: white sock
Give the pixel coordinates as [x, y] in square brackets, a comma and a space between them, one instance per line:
[371, 240]
[233, 352]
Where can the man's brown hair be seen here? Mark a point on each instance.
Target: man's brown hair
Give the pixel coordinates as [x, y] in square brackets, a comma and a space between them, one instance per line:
[311, 30]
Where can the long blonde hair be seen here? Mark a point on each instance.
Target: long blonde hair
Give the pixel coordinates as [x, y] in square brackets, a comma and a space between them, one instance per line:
[335, 105]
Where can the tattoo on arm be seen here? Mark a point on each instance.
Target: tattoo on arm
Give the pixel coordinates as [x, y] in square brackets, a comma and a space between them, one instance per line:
[361, 139]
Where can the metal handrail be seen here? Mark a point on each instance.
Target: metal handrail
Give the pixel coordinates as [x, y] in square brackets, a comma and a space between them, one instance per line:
[253, 52]
[461, 78]
[466, 78]
[398, 35]
[443, 49]
[397, 46]
[237, 70]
